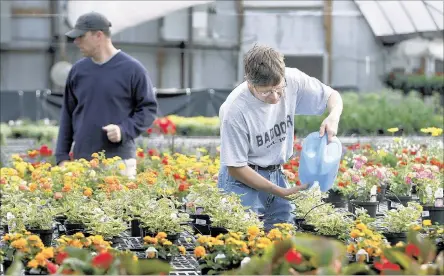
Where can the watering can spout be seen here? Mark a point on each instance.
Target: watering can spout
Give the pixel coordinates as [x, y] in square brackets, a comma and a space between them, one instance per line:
[319, 160]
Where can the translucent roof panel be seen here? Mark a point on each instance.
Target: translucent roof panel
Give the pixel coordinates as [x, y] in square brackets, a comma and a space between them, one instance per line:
[389, 18]
[375, 18]
[420, 16]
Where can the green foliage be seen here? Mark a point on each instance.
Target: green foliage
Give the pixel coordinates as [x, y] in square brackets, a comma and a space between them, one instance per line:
[364, 114]
[368, 113]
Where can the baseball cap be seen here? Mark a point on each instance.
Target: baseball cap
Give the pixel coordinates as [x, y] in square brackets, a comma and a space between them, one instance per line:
[91, 21]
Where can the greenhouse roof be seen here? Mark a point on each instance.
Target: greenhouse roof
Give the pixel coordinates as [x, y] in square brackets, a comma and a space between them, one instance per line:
[394, 18]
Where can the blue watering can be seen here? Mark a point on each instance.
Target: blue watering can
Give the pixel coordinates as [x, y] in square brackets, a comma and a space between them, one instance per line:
[319, 161]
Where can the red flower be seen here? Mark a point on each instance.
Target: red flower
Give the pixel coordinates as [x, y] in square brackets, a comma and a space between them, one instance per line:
[60, 257]
[140, 154]
[149, 131]
[183, 186]
[52, 268]
[386, 265]
[45, 151]
[293, 257]
[412, 250]
[103, 260]
[165, 161]
[152, 152]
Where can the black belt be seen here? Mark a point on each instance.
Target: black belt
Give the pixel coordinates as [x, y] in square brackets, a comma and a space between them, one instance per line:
[269, 168]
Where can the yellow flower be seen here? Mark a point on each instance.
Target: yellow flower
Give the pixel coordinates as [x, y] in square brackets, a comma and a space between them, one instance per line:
[351, 248]
[19, 244]
[122, 166]
[33, 238]
[48, 252]
[355, 233]
[167, 243]
[235, 235]
[87, 192]
[182, 250]
[161, 235]
[253, 231]
[95, 155]
[427, 222]
[274, 234]
[393, 129]
[361, 226]
[416, 228]
[78, 235]
[33, 264]
[399, 244]
[199, 251]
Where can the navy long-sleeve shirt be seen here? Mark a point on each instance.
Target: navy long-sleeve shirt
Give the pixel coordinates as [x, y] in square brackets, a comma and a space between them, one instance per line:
[117, 92]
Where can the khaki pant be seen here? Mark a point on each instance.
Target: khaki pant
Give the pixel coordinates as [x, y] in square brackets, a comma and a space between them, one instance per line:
[130, 168]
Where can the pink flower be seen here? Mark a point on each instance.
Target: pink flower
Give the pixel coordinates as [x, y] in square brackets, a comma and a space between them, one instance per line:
[355, 178]
[380, 174]
[369, 170]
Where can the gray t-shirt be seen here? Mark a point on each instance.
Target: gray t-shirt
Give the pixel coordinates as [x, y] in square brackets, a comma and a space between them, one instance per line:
[257, 133]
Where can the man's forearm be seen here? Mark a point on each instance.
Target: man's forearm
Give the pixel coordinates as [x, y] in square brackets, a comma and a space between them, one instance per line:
[335, 105]
[254, 180]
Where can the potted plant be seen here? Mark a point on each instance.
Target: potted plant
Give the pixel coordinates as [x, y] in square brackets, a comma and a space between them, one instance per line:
[38, 219]
[363, 237]
[332, 224]
[397, 222]
[77, 210]
[164, 248]
[429, 179]
[27, 251]
[400, 188]
[335, 195]
[81, 261]
[162, 216]
[364, 181]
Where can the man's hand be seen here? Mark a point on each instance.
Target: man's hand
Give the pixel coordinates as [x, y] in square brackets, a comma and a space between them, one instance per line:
[329, 125]
[113, 132]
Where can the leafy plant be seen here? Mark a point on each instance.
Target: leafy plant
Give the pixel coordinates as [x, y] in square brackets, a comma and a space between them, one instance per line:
[402, 219]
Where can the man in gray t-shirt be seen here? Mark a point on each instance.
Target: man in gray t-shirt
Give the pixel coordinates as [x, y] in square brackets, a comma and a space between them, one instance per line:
[257, 131]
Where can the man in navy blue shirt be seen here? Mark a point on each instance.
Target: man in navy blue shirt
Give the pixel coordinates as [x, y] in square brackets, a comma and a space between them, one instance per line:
[109, 98]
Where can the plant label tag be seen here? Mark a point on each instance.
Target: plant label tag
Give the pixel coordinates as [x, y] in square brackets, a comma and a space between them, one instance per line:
[425, 214]
[201, 222]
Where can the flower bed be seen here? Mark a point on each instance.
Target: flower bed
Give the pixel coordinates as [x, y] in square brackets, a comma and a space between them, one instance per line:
[95, 209]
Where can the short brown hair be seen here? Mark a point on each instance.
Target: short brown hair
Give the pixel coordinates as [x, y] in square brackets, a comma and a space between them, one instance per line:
[264, 66]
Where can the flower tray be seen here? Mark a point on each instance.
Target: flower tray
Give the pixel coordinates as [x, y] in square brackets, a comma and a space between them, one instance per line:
[184, 263]
[187, 240]
[130, 243]
[185, 273]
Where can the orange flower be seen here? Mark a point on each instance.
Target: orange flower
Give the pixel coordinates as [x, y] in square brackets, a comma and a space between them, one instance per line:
[48, 252]
[199, 251]
[87, 192]
[32, 187]
[161, 235]
[33, 264]
[66, 188]
[94, 163]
